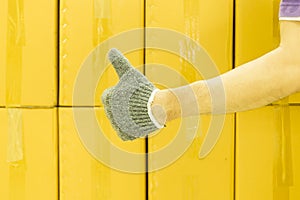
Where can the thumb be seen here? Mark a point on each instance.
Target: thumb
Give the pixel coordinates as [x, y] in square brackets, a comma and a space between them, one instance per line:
[119, 62]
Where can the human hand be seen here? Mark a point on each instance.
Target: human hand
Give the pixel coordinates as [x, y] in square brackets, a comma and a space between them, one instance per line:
[128, 104]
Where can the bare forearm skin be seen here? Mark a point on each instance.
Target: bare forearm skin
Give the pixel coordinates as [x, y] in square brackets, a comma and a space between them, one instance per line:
[252, 85]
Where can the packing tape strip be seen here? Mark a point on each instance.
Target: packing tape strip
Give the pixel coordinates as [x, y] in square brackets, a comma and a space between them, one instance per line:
[15, 43]
[102, 21]
[15, 135]
[283, 171]
[102, 8]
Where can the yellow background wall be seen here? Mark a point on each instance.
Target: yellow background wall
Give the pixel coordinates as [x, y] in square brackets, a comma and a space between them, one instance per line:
[41, 154]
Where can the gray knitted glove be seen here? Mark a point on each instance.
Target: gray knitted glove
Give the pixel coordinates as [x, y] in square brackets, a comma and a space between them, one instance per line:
[128, 104]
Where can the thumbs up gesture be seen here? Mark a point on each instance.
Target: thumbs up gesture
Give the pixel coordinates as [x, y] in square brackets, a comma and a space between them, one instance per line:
[128, 104]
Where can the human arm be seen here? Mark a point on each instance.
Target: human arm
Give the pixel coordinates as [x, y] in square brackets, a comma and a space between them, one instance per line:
[254, 84]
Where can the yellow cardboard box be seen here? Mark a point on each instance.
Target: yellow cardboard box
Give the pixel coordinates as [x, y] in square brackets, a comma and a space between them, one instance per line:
[82, 176]
[28, 154]
[85, 25]
[28, 41]
[267, 154]
[257, 31]
[190, 177]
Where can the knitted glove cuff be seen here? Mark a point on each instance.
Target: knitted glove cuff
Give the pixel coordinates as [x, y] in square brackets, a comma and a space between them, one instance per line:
[153, 119]
[140, 109]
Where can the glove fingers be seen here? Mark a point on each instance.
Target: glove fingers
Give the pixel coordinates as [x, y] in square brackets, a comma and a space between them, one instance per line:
[106, 99]
[120, 63]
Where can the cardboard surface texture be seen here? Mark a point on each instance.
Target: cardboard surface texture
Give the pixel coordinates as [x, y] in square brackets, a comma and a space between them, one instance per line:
[28, 154]
[267, 153]
[85, 25]
[84, 177]
[170, 66]
[28, 68]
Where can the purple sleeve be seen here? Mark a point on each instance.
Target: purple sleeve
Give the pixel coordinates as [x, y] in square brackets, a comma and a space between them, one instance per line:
[290, 8]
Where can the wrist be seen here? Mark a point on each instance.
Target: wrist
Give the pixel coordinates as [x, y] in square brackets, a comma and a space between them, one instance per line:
[165, 106]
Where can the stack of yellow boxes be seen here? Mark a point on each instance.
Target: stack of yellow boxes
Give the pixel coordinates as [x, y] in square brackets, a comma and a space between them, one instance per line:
[83, 26]
[28, 100]
[43, 47]
[211, 26]
[267, 139]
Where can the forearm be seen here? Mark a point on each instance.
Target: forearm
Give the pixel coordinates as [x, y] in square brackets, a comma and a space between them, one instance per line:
[261, 81]
[252, 85]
